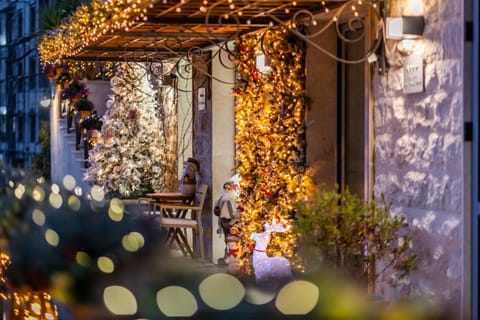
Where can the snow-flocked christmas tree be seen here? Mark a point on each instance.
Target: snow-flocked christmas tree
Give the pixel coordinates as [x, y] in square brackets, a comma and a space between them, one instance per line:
[129, 158]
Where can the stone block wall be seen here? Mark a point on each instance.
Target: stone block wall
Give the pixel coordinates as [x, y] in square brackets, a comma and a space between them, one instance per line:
[419, 150]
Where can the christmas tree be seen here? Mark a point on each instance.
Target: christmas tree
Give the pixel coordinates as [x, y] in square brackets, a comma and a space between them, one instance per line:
[129, 158]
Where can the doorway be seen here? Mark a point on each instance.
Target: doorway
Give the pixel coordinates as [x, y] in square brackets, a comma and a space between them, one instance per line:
[338, 115]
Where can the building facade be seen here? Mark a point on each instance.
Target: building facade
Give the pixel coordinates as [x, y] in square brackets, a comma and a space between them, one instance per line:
[22, 84]
[368, 127]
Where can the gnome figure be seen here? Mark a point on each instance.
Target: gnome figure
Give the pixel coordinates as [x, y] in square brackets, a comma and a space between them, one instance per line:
[189, 181]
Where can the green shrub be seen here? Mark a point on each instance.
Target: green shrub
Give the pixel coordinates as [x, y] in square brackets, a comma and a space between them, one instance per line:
[338, 229]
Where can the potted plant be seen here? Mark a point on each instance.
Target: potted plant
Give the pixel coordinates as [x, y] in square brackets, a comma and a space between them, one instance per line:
[340, 230]
[84, 106]
[92, 122]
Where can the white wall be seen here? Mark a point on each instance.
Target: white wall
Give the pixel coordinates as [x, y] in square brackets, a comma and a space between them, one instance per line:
[419, 151]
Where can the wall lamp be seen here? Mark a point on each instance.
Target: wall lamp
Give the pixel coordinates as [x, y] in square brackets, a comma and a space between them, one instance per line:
[405, 27]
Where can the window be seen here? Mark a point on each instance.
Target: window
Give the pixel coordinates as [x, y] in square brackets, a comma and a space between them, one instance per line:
[33, 127]
[3, 124]
[20, 24]
[33, 19]
[32, 74]
[21, 127]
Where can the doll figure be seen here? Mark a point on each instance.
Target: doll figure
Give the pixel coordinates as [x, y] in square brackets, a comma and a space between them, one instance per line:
[189, 180]
[233, 254]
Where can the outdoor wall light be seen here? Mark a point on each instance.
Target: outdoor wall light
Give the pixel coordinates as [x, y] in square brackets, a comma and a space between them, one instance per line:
[405, 27]
[45, 102]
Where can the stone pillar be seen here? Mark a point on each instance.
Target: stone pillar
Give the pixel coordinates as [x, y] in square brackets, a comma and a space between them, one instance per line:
[202, 139]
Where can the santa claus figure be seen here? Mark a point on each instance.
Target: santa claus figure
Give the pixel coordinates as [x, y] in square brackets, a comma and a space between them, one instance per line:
[226, 211]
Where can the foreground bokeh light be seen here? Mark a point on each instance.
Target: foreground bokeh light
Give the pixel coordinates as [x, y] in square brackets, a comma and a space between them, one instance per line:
[74, 203]
[176, 301]
[38, 217]
[221, 291]
[97, 193]
[83, 259]
[119, 300]
[133, 241]
[51, 236]
[297, 298]
[116, 209]
[105, 264]
[38, 194]
[258, 296]
[69, 182]
[55, 200]
[19, 191]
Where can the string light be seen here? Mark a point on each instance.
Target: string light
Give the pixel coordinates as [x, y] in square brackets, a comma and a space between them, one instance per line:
[270, 151]
[87, 24]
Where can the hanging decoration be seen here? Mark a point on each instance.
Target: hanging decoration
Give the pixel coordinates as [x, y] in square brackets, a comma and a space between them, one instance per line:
[270, 140]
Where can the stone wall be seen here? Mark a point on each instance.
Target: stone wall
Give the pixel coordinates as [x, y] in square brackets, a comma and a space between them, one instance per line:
[419, 150]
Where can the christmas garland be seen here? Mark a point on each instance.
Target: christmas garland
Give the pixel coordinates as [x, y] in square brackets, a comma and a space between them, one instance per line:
[270, 139]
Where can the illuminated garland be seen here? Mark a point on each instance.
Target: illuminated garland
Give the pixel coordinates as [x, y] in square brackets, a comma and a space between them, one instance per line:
[87, 24]
[270, 139]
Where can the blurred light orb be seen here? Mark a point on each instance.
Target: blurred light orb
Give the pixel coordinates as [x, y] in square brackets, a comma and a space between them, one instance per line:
[115, 216]
[297, 298]
[176, 301]
[105, 264]
[78, 191]
[69, 182]
[221, 291]
[52, 238]
[97, 193]
[119, 300]
[83, 259]
[258, 296]
[19, 191]
[55, 200]
[416, 7]
[55, 188]
[139, 237]
[133, 241]
[117, 205]
[74, 203]
[38, 217]
[38, 194]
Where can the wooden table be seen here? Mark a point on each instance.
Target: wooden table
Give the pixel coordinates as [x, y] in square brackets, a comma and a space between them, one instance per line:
[170, 196]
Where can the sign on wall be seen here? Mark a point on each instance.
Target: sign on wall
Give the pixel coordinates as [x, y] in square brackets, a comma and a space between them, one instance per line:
[413, 74]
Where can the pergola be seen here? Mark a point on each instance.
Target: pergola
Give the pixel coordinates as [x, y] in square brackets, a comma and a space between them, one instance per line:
[149, 30]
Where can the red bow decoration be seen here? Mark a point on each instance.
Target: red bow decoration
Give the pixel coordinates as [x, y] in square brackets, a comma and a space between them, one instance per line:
[268, 195]
[233, 252]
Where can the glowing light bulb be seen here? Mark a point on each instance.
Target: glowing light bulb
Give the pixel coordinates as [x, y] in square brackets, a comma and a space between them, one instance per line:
[416, 7]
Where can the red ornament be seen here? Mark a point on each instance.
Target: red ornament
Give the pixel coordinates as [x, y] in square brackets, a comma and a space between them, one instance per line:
[268, 195]
[243, 49]
[253, 72]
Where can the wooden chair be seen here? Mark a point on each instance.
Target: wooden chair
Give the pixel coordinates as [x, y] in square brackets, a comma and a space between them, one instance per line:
[177, 219]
